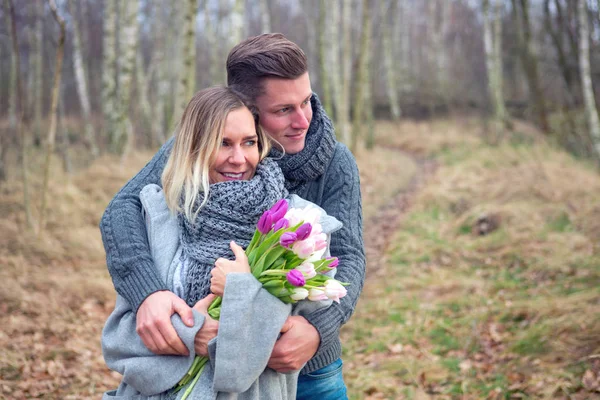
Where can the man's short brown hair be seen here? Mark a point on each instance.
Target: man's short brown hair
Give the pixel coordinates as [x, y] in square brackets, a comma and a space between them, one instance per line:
[270, 55]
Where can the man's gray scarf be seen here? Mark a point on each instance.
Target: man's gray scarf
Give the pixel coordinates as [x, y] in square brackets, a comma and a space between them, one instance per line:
[312, 161]
[231, 213]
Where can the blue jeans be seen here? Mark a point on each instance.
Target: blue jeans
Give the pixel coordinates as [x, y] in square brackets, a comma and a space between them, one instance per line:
[326, 383]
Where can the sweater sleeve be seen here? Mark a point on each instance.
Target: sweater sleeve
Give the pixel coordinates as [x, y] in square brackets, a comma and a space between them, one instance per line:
[342, 199]
[124, 352]
[251, 320]
[124, 235]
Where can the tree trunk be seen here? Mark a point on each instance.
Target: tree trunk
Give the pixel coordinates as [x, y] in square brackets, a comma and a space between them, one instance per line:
[36, 72]
[324, 66]
[391, 72]
[363, 114]
[529, 61]
[82, 87]
[236, 23]
[344, 109]
[123, 136]
[265, 16]
[492, 23]
[53, 110]
[591, 111]
[187, 81]
[563, 62]
[143, 97]
[109, 69]
[19, 123]
[334, 59]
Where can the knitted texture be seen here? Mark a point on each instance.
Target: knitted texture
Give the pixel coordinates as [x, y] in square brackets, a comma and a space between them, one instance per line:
[231, 213]
[310, 163]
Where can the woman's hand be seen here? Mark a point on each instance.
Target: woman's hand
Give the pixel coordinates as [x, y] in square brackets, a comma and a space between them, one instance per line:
[209, 328]
[224, 267]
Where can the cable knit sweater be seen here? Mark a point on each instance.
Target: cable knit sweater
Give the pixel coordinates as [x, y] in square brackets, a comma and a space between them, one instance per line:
[336, 188]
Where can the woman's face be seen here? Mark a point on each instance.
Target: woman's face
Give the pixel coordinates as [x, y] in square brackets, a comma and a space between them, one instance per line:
[238, 155]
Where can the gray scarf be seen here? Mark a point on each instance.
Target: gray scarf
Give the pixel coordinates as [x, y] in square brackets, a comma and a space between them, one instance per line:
[231, 213]
[312, 161]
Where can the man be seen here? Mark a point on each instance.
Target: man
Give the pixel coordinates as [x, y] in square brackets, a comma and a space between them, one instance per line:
[272, 73]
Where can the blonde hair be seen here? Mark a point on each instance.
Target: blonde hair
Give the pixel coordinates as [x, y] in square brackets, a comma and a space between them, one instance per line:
[198, 136]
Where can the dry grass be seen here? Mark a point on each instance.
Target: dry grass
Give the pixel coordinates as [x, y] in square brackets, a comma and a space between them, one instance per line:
[514, 313]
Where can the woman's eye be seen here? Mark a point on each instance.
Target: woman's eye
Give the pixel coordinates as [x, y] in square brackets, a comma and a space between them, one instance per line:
[251, 143]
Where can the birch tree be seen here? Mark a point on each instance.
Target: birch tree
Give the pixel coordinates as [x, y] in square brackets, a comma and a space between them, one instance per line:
[236, 23]
[492, 33]
[324, 51]
[343, 116]
[20, 129]
[37, 68]
[529, 61]
[109, 68]
[211, 41]
[123, 130]
[591, 111]
[187, 81]
[265, 16]
[81, 83]
[53, 110]
[334, 58]
[389, 47]
[363, 114]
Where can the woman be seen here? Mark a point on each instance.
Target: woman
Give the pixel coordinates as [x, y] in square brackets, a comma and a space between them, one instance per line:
[218, 183]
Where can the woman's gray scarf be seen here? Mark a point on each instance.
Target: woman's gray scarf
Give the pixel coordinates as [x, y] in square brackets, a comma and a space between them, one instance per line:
[312, 161]
[231, 213]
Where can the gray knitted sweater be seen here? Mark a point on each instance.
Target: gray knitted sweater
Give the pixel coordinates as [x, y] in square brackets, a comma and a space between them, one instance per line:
[336, 190]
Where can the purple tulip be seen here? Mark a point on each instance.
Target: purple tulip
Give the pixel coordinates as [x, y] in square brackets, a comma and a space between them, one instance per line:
[279, 210]
[295, 277]
[265, 222]
[287, 239]
[334, 263]
[281, 224]
[304, 231]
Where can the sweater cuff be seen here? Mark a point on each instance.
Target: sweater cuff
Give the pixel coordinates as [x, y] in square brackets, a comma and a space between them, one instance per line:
[140, 283]
[327, 321]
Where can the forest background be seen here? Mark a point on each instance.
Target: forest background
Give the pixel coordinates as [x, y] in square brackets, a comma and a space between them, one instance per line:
[475, 127]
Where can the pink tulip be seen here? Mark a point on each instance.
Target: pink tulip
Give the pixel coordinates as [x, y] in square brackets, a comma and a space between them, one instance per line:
[304, 248]
[299, 294]
[334, 290]
[334, 263]
[278, 210]
[296, 278]
[288, 239]
[307, 269]
[265, 222]
[317, 294]
[281, 224]
[304, 231]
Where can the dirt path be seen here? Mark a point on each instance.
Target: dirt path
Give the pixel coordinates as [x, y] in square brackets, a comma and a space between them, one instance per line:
[381, 225]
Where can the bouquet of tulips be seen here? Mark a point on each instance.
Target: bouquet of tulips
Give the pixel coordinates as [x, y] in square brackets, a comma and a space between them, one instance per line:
[286, 255]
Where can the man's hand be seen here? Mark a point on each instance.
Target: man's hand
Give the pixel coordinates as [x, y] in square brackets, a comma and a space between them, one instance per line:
[153, 323]
[298, 344]
[224, 266]
[209, 328]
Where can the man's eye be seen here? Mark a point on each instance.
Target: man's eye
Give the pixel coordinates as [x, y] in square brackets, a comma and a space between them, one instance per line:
[283, 110]
[305, 102]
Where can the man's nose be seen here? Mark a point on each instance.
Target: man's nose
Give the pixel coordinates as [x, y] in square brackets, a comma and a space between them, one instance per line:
[299, 120]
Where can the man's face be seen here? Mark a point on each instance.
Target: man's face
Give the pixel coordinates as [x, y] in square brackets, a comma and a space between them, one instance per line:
[285, 112]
